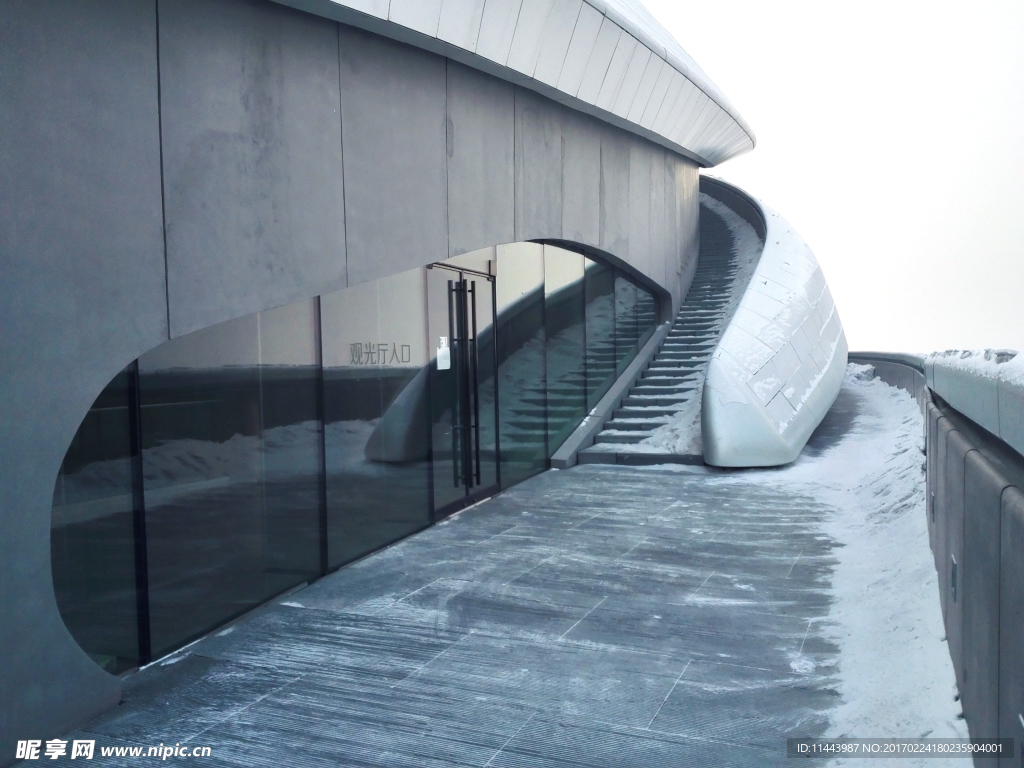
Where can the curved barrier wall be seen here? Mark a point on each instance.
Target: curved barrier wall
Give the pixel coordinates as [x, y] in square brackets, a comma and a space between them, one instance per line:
[781, 360]
[975, 511]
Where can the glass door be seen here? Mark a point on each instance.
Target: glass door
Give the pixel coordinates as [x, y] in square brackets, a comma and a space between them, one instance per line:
[463, 393]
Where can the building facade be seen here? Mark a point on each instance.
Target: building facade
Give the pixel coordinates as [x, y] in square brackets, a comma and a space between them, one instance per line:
[281, 285]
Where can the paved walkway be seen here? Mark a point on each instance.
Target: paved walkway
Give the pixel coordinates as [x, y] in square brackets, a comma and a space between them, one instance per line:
[600, 616]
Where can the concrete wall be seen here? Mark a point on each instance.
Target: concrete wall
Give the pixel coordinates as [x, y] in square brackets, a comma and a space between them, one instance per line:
[165, 167]
[986, 386]
[975, 509]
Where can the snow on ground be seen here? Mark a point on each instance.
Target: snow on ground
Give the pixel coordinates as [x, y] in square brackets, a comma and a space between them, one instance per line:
[895, 675]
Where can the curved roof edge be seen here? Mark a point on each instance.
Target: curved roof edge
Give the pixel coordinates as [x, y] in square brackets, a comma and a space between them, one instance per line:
[607, 58]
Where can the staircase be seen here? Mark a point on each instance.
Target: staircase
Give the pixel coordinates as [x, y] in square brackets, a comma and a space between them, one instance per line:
[674, 375]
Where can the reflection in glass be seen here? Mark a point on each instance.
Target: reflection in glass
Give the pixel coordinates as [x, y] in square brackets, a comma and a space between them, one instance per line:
[375, 410]
[92, 536]
[521, 361]
[247, 458]
[646, 315]
[230, 461]
[601, 360]
[565, 324]
[627, 324]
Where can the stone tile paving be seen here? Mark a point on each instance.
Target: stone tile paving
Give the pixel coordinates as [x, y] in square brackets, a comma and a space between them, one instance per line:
[600, 616]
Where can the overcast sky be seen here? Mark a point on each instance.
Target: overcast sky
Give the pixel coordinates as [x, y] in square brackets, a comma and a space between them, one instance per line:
[891, 135]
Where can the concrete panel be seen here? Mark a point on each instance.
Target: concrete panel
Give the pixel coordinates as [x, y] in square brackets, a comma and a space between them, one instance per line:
[558, 33]
[252, 158]
[581, 179]
[942, 428]
[582, 45]
[481, 148]
[393, 105]
[82, 293]
[974, 396]
[615, 195]
[459, 22]
[640, 207]
[616, 73]
[932, 477]
[538, 167]
[600, 61]
[957, 448]
[1011, 414]
[983, 491]
[497, 27]
[659, 216]
[420, 15]
[1011, 621]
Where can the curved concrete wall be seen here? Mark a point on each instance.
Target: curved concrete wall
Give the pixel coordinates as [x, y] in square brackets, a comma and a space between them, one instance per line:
[159, 178]
[781, 360]
[608, 58]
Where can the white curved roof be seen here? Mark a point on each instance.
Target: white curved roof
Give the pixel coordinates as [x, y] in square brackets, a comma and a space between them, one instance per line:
[609, 58]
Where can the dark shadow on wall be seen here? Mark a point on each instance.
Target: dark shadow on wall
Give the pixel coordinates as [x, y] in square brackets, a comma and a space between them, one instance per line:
[836, 424]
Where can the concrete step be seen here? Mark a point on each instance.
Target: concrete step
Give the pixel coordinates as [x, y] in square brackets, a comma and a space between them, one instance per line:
[638, 412]
[635, 425]
[621, 437]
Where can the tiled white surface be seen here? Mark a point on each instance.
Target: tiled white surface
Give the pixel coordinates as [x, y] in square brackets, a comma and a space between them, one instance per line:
[609, 54]
[459, 23]
[584, 39]
[420, 15]
[600, 60]
[558, 33]
[780, 362]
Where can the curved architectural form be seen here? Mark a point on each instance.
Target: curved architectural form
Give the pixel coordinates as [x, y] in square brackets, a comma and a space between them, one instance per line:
[608, 58]
[780, 363]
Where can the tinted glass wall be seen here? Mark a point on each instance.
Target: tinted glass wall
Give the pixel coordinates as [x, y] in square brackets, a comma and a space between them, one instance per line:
[375, 411]
[231, 461]
[230, 465]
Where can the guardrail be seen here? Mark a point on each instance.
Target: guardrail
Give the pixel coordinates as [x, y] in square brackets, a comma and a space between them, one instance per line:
[975, 509]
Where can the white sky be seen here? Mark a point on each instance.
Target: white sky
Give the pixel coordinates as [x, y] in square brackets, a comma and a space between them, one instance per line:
[891, 135]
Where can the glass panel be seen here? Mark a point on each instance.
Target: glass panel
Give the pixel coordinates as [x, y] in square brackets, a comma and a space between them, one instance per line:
[290, 380]
[375, 413]
[463, 391]
[521, 361]
[92, 541]
[646, 313]
[601, 359]
[230, 459]
[627, 328]
[565, 335]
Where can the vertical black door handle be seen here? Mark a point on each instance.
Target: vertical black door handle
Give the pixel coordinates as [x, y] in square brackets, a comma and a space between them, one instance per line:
[453, 342]
[475, 386]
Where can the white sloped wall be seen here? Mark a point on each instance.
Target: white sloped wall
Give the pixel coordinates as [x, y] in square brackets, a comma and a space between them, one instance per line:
[780, 363]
